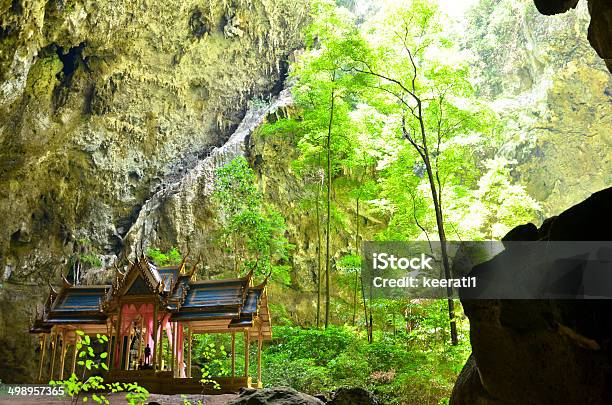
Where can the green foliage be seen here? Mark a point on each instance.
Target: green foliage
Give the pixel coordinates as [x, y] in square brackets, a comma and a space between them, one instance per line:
[85, 255]
[91, 260]
[171, 257]
[209, 353]
[371, 72]
[253, 231]
[94, 386]
[373, 94]
[413, 353]
[496, 206]
[212, 364]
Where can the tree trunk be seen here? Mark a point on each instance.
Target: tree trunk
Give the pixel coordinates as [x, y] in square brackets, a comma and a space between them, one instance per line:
[356, 270]
[329, 197]
[318, 214]
[442, 236]
[423, 151]
[328, 224]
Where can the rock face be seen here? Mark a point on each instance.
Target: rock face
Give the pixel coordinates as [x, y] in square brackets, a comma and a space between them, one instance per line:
[105, 105]
[543, 352]
[600, 29]
[553, 93]
[102, 103]
[183, 210]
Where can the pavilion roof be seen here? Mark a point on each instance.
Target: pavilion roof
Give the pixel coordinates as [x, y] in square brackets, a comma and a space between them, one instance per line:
[230, 302]
[80, 299]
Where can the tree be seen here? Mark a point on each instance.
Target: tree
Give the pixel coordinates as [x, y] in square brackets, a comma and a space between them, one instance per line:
[497, 204]
[433, 99]
[255, 230]
[324, 90]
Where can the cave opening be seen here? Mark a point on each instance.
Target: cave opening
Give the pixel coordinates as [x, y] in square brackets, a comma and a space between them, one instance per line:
[71, 60]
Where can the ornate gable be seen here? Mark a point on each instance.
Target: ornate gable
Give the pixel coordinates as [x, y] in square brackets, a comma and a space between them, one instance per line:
[138, 287]
[141, 278]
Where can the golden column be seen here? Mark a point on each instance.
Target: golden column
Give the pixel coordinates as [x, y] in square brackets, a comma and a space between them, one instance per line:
[43, 348]
[161, 343]
[175, 347]
[74, 355]
[172, 342]
[259, 344]
[155, 349]
[62, 354]
[109, 346]
[118, 343]
[189, 344]
[53, 349]
[246, 356]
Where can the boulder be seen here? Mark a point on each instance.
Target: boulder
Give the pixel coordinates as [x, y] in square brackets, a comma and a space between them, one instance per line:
[274, 396]
[543, 351]
[352, 396]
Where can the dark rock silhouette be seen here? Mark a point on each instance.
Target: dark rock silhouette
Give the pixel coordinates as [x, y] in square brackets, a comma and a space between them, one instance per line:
[600, 29]
[543, 351]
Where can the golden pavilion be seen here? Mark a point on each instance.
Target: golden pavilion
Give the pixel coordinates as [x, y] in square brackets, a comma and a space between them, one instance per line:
[144, 309]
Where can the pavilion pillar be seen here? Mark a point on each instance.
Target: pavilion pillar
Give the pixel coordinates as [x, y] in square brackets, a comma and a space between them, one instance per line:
[161, 343]
[175, 359]
[53, 349]
[109, 347]
[180, 349]
[74, 355]
[63, 355]
[126, 348]
[233, 354]
[246, 356]
[259, 344]
[140, 341]
[189, 343]
[154, 331]
[161, 346]
[118, 342]
[43, 348]
[172, 343]
[121, 351]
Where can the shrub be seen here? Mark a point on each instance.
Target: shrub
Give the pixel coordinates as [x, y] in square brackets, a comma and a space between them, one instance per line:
[171, 257]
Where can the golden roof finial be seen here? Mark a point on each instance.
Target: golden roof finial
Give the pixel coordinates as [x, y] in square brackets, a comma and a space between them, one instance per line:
[182, 264]
[195, 266]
